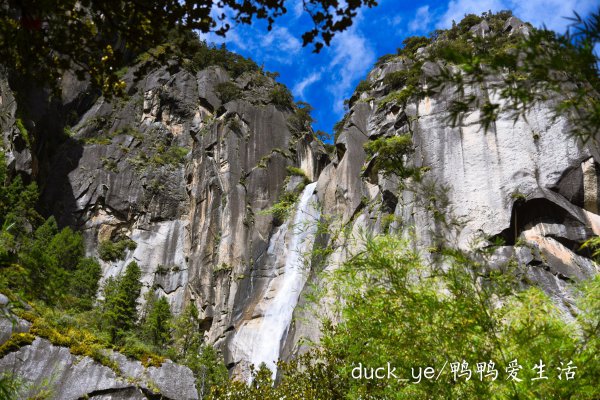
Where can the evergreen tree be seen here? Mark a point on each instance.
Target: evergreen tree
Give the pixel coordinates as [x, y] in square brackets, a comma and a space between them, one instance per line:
[186, 332]
[39, 262]
[119, 308]
[157, 325]
[189, 349]
[84, 282]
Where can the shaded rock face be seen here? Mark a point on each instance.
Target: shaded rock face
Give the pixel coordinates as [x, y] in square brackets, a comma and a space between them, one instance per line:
[189, 179]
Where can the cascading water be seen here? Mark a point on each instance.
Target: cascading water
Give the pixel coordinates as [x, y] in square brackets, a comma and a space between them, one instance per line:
[262, 342]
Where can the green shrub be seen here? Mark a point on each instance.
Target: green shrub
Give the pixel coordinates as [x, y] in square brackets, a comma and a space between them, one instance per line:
[385, 58]
[171, 156]
[390, 153]
[135, 348]
[281, 97]
[363, 86]
[202, 55]
[10, 386]
[228, 91]
[15, 342]
[411, 44]
[295, 171]
[109, 164]
[282, 209]
[338, 127]
[23, 132]
[468, 22]
[300, 121]
[396, 79]
[399, 97]
[114, 251]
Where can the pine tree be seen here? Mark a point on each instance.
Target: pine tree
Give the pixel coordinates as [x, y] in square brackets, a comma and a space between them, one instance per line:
[187, 337]
[119, 309]
[84, 282]
[157, 325]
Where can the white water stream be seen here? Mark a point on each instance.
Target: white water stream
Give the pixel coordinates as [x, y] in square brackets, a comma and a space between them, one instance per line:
[263, 340]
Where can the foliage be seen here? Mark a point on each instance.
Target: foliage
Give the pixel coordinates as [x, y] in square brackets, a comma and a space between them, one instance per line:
[396, 309]
[284, 206]
[85, 35]
[593, 244]
[157, 323]
[10, 386]
[363, 86]
[524, 71]
[400, 97]
[390, 153]
[338, 127]
[49, 257]
[411, 44]
[281, 97]
[395, 79]
[23, 131]
[17, 206]
[295, 171]
[209, 369]
[204, 55]
[84, 282]
[301, 120]
[59, 328]
[384, 59]
[228, 91]
[15, 342]
[133, 346]
[119, 307]
[189, 349]
[109, 250]
[169, 155]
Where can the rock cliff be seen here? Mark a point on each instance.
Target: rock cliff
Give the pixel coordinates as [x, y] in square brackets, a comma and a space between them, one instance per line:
[192, 175]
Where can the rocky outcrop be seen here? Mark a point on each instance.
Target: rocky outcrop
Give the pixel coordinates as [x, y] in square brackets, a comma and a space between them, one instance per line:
[188, 178]
[191, 178]
[42, 367]
[526, 190]
[54, 370]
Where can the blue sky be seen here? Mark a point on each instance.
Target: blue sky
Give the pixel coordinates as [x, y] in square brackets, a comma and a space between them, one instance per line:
[324, 80]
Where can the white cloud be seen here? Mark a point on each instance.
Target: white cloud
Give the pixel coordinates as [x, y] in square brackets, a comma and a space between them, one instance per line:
[397, 20]
[301, 86]
[281, 40]
[421, 21]
[298, 8]
[538, 12]
[277, 45]
[352, 58]
[551, 12]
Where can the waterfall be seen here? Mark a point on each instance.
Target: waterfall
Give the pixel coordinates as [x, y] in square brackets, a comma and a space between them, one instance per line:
[263, 340]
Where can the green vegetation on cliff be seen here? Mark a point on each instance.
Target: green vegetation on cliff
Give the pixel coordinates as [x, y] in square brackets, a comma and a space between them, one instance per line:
[51, 284]
[397, 309]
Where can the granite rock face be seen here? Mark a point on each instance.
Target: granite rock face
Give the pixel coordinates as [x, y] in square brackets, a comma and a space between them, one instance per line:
[65, 376]
[47, 368]
[191, 179]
